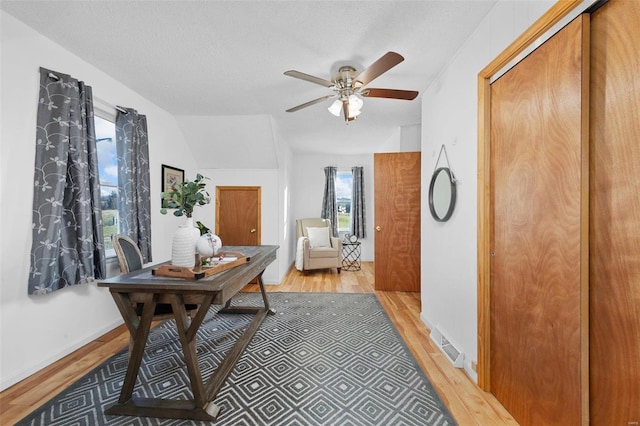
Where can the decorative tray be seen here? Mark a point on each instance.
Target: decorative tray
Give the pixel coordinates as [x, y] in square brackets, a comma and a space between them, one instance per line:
[221, 262]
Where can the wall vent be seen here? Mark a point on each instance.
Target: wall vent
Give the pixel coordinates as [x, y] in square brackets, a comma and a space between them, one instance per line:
[453, 354]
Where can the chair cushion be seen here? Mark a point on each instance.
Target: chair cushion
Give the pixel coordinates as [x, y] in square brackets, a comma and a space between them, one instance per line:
[323, 252]
[318, 237]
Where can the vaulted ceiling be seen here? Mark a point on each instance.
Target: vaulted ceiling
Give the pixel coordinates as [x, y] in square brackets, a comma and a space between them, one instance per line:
[207, 61]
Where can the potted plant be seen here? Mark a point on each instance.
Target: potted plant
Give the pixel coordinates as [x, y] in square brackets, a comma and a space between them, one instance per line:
[183, 198]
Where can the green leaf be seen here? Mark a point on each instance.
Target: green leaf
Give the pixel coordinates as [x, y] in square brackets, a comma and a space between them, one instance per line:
[203, 228]
[186, 195]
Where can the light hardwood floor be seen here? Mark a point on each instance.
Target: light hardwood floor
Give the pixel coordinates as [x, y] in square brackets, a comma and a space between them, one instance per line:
[467, 403]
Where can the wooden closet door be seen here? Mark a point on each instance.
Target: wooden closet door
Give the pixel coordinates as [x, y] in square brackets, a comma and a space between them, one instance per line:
[238, 215]
[397, 221]
[538, 345]
[615, 214]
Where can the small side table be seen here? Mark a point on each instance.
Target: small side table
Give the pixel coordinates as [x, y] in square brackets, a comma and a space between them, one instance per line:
[351, 256]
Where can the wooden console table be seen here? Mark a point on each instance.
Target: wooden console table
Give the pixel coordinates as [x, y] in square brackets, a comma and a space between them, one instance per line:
[143, 287]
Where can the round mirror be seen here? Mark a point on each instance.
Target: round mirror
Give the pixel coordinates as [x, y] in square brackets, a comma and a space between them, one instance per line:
[442, 194]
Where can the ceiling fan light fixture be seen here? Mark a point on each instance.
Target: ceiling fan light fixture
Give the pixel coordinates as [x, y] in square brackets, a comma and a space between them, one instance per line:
[355, 103]
[335, 107]
[349, 88]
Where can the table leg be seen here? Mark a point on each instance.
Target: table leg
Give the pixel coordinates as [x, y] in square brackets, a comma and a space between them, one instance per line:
[265, 300]
[219, 377]
[189, 349]
[139, 330]
[202, 406]
[197, 409]
[228, 309]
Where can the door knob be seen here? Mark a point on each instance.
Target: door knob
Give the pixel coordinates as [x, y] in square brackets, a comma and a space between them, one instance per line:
[378, 228]
[253, 230]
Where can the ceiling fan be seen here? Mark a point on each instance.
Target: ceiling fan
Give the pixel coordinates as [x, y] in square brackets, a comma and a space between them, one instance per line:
[348, 85]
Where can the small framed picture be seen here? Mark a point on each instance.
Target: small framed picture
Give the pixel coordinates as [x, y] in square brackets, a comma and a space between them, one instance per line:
[170, 177]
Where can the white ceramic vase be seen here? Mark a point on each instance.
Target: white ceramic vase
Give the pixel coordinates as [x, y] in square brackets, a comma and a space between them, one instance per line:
[208, 245]
[183, 250]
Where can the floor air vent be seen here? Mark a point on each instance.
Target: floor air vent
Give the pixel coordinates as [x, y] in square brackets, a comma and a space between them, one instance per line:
[455, 356]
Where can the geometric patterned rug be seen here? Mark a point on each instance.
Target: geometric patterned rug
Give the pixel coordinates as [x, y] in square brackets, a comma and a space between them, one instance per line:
[323, 359]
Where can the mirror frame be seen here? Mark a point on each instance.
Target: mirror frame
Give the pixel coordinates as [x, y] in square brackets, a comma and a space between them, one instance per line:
[452, 199]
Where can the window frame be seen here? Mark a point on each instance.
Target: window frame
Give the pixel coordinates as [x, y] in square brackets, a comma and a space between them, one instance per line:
[345, 231]
[106, 113]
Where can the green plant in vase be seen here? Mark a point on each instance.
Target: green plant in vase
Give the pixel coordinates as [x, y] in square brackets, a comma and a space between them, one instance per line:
[185, 196]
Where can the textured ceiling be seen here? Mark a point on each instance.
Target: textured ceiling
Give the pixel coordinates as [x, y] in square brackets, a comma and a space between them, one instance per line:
[225, 58]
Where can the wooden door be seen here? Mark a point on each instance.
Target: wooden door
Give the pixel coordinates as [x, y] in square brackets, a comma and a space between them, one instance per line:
[397, 221]
[238, 215]
[538, 289]
[615, 214]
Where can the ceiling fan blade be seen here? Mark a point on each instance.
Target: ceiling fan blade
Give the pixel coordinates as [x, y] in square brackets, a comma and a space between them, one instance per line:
[313, 102]
[389, 94]
[307, 77]
[382, 65]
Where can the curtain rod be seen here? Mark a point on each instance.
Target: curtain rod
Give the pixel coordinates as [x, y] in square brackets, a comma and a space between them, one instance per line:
[118, 107]
[107, 104]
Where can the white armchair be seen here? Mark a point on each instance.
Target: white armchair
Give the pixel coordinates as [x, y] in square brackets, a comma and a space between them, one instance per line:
[317, 248]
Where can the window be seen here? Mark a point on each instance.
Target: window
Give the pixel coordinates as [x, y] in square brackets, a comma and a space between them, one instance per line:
[343, 194]
[108, 173]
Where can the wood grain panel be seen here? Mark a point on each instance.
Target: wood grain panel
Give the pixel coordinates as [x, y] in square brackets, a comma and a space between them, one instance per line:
[551, 17]
[484, 233]
[238, 215]
[615, 214]
[397, 213]
[536, 360]
[556, 13]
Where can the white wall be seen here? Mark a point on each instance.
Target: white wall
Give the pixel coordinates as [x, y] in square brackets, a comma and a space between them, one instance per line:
[308, 182]
[449, 117]
[286, 224]
[268, 167]
[410, 138]
[252, 135]
[37, 330]
[308, 189]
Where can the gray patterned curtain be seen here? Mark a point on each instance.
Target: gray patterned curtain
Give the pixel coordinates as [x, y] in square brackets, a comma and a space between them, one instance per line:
[329, 202]
[67, 244]
[134, 190]
[358, 225]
